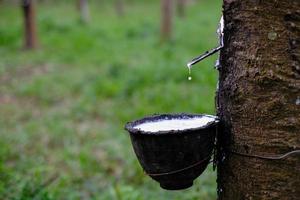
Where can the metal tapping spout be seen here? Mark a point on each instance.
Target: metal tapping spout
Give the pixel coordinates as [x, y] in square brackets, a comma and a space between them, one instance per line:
[212, 51]
[203, 56]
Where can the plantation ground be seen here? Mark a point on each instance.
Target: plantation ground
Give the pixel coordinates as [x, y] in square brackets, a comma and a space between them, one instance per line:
[64, 105]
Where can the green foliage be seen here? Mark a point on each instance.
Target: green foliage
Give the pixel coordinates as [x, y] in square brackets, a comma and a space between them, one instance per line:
[64, 105]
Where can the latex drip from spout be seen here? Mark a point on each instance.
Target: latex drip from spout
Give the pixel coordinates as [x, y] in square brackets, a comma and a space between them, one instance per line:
[190, 71]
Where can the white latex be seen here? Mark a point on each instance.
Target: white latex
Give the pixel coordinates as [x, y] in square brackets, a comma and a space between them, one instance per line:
[174, 124]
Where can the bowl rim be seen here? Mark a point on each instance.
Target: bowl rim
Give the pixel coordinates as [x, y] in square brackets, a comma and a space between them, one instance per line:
[130, 126]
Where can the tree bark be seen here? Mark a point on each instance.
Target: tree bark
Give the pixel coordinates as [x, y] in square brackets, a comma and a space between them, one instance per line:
[166, 21]
[84, 11]
[30, 36]
[259, 100]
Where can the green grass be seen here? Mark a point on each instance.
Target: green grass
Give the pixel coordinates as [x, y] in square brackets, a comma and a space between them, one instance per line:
[64, 105]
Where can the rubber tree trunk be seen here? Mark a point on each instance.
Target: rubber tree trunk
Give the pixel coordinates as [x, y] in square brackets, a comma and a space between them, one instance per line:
[30, 35]
[181, 4]
[84, 10]
[119, 6]
[259, 100]
[166, 20]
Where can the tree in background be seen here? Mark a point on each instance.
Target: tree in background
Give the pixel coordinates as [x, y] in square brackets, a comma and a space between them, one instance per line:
[84, 10]
[181, 4]
[166, 20]
[30, 36]
[259, 100]
[119, 5]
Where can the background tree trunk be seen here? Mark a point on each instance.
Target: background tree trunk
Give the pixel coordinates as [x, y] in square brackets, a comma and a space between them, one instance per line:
[181, 4]
[84, 11]
[166, 21]
[119, 5]
[30, 36]
[259, 99]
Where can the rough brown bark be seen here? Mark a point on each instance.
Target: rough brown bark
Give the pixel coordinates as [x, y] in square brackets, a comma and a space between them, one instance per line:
[30, 36]
[84, 10]
[166, 21]
[259, 100]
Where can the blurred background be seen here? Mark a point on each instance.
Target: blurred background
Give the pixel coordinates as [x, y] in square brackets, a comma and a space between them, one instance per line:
[82, 71]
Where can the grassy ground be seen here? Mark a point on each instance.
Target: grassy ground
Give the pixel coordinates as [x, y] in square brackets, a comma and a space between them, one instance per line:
[63, 106]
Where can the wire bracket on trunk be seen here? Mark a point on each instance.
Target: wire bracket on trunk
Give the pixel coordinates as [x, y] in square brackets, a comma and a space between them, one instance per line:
[268, 157]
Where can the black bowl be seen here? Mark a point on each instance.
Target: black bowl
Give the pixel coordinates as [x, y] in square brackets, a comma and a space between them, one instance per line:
[173, 158]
